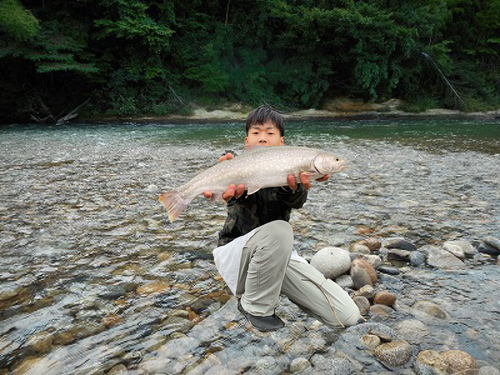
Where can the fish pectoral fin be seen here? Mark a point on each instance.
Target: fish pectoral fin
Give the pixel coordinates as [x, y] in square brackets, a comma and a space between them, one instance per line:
[215, 196]
[253, 189]
[307, 173]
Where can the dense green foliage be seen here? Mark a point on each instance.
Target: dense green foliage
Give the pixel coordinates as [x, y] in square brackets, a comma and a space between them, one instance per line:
[133, 57]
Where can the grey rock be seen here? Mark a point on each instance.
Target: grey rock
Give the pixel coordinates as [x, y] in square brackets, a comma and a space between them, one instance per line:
[417, 258]
[440, 258]
[331, 262]
[400, 243]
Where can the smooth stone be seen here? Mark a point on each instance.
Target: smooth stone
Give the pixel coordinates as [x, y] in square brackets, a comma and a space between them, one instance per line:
[454, 250]
[331, 262]
[345, 282]
[417, 258]
[389, 270]
[363, 273]
[431, 308]
[362, 303]
[373, 244]
[370, 341]
[358, 248]
[366, 291]
[492, 241]
[374, 260]
[488, 370]
[381, 311]
[429, 362]
[440, 258]
[299, 364]
[394, 353]
[414, 331]
[488, 249]
[384, 298]
[467, 248]
[400, 243]
[398, 255]
[460, 362]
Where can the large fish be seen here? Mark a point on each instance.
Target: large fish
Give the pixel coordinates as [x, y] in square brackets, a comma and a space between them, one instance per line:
[257, 168]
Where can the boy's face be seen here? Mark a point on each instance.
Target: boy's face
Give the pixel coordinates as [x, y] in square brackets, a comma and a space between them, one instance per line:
[266, 134]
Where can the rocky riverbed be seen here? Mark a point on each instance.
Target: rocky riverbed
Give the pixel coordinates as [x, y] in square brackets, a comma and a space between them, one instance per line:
[95, 280]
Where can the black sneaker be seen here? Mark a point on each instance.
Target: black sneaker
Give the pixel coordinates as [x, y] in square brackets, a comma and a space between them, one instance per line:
[262, 323]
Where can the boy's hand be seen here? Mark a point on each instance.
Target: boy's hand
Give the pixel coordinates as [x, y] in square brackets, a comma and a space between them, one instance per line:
[304, 179]
[232, 190]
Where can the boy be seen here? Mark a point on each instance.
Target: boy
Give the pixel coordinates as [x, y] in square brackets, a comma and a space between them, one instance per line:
[255, 255]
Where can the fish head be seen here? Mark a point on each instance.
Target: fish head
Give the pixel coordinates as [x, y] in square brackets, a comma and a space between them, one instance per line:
[328, 164]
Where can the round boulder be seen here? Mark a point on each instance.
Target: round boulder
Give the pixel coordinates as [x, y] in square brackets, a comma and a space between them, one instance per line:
[331, 262]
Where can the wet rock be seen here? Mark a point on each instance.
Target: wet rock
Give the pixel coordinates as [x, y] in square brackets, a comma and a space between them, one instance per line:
[111, 320]
[41, 342]
[417, 258]
[400, 243]
[414, 331]
[389, 270]
[493, 242]
[118, 370]
[381, 311]
[358, 248]
[440, 258]
[331, 261]
[454, 250]
[460, 362]
[488, 249]
[384, 298]
[488, 370]
[337, 365]
[431, 308]
[113, 292]
[462, 246]
[449, 362]
[363, 273]
[35, 366]
[429, 362]
[372, 243]
[370, 342]
[394, 354]
[366, 291]
[374, 260]
[154, 287]
[398, 255]
[8, 294]
[299, 364]
[345, 281]
[77, 332]
[362, 303]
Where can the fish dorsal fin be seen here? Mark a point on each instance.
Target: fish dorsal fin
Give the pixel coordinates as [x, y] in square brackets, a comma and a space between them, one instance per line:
[253, 189]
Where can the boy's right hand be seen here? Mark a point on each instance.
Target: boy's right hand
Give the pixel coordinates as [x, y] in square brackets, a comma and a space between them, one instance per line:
[232, 190]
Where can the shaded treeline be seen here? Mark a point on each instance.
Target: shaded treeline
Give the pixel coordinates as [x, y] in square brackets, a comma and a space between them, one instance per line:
[131, 57]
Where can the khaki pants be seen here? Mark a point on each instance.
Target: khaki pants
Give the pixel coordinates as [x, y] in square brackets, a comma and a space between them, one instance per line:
[266, 271]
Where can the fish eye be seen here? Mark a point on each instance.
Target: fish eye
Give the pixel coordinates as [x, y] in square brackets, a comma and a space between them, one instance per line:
[337, 159]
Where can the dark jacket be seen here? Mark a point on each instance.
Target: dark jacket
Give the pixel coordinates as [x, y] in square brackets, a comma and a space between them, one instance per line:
[249, 212]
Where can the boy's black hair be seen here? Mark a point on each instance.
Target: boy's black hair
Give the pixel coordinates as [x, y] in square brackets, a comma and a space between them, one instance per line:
[263, 114]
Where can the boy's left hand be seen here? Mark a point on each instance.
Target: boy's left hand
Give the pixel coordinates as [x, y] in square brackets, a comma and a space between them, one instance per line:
[304, 179]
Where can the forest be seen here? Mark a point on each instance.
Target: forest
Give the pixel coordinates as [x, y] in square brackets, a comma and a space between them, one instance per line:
[160, 57]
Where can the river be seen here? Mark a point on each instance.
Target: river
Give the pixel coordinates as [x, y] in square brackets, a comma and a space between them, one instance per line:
[95, 279]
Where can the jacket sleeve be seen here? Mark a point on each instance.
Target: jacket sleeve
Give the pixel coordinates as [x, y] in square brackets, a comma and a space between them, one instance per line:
[293, 199]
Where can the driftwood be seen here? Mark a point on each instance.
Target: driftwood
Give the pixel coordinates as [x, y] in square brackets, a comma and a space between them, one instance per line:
[71, 115]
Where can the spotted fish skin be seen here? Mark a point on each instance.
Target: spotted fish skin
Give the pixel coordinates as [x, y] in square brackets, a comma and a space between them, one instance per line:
[257, 168]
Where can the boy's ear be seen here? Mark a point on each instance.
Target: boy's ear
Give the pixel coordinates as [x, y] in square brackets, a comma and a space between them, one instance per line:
[282, 141]
[246, 141]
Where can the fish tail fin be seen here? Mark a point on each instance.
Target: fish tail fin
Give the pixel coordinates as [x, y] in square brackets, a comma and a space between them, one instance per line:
[174, 203]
